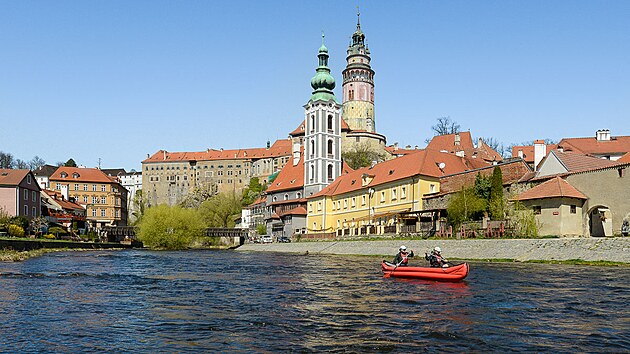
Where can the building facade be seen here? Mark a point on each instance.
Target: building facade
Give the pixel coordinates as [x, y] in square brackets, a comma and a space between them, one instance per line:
[20, 193]
[168, 177]
[104, 197]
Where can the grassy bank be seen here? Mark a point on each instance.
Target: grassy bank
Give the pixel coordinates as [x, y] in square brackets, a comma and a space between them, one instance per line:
[17, 256]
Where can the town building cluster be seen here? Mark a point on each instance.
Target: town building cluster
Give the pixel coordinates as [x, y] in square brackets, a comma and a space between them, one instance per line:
[577, 187]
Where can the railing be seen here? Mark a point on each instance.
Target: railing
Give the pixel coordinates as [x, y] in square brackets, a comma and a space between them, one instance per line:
[407, 228]
[389, 229]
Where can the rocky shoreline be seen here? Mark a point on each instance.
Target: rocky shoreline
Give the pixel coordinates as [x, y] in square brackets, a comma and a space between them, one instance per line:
[609, 249]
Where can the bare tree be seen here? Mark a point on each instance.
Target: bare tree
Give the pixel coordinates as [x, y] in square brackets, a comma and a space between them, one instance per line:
[36, 163]
[21, 164]
[497, 146]
[445, 126]
[6, 160]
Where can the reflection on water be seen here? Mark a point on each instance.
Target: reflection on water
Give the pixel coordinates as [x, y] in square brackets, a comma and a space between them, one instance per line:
[228, 301]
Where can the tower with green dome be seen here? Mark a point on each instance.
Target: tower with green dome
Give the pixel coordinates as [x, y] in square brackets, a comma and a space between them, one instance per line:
[322, 143]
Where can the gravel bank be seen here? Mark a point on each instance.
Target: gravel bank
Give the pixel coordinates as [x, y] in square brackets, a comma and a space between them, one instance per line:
[613, 249]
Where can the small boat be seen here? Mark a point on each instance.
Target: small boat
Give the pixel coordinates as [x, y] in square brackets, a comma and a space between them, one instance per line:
[451, 274]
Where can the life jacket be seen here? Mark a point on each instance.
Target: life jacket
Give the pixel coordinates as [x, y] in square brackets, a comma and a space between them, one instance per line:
[405, 258]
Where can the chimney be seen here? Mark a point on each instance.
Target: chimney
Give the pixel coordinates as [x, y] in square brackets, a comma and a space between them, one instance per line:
[457, 139]
[540, 151]
[520, 153]
[374, 162]
[268, 144]
[603, 135]
[64, 191]
[296, 153]
[480, 143]
[164, 154]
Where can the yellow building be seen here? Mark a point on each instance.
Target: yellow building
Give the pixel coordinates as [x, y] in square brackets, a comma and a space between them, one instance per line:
[104, 198]
[383, 198]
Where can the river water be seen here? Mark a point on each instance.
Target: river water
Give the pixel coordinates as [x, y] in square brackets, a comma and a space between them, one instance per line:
[228, 301]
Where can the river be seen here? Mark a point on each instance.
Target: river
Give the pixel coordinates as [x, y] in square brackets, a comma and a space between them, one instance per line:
[226, 301]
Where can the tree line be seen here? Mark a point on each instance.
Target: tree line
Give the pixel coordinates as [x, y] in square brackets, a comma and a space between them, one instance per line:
[8, 161]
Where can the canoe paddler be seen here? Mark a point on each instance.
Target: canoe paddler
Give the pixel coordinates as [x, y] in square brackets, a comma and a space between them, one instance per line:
[436, 259]
[402, 258]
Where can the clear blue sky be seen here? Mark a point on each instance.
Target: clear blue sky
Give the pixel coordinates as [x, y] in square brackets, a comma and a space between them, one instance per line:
[118, 80]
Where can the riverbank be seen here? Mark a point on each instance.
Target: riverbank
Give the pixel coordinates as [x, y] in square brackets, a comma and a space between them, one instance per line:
[591, 249]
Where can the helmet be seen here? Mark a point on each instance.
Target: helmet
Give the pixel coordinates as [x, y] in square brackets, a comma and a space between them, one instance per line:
[437, 249]
[403, 248]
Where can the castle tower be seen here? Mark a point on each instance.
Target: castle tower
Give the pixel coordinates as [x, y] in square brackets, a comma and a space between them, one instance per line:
[322, 150]
[358, 85]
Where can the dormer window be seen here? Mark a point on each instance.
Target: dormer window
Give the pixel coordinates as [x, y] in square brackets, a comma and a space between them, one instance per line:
[75, 175]
[64, 175]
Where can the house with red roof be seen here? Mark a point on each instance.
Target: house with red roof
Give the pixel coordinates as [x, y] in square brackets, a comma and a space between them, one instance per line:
[61, 210]
[20, 193]
[579, 195]
[461, 144]
[103, 196]
[383, 198]
[167, 177]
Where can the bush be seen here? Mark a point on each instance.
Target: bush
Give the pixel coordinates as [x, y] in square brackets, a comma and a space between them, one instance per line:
[261, 229]
[171, 228]
[15, 231]
[49, 237]
[56, 230]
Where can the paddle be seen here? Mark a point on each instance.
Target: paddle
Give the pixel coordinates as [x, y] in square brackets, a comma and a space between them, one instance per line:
[387, 275]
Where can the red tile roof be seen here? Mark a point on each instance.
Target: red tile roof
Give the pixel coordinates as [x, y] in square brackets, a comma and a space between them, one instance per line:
[290, 177]
[65, 204]
[554, 188]
[528, 151]
[262, 199]
[447, 143]
[625, 158]
[82, 175]
[279, 148]
[295, 211]
[396, 151]
[575, 162]
[616, 145]
[424, 162]
[12, 177]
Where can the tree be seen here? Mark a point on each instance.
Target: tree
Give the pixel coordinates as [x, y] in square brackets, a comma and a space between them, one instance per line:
[172, 228]
[362, 155]
[36, 163]
[199, 194]
[221, 210]
[496, 204]
[70, 163]
[445, 126]
[138, 206]
[497, 146]
[465, 205]
[482, 186]
[253, 191]
[5, 219]
[7, 160]
[38, 223]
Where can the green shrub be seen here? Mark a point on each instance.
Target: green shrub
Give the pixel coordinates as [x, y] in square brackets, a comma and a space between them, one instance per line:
[49, 236]
[261, 229]
[56, 230]
[171, 228]
[15, 231]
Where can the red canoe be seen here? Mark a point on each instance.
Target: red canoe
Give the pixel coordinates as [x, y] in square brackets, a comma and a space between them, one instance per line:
[451, 274]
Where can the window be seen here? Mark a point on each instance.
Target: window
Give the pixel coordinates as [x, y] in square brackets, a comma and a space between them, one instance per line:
[76, 186]
[314, 226]
[319, 206]
[363, 200]
[93, 212]
[338, 204]
[432, 188]
[573, 209]
[94, 200]
[103, 213]
[28, 179]
[34, 212]
[103, 188]
[330, 122]
[537, 209]
[26, 193]
[58, 186]
[85, 199]
[26, 210]
[394, 193]
[94, 188]
[403, 192]
[117, 213]
[298, 195]
[330, 173]
[85, 187]
[286, 197]
[383, 197]
[34, 195]
[330, 148]
[310, 207]
[103, 200]
[622, 172]
[345, 203]
[354, 202]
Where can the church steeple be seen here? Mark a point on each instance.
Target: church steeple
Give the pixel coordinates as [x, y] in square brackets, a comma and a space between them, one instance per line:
[323, 83]
[358, 84]
[322, 131]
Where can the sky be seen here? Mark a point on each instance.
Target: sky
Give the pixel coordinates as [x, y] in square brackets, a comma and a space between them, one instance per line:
[111, 81]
